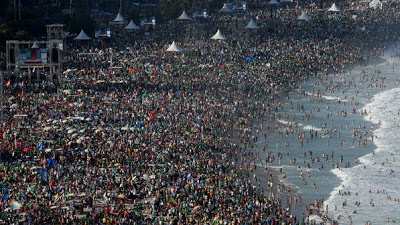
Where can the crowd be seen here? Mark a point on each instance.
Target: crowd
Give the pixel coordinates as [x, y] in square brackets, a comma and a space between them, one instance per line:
[138, 135]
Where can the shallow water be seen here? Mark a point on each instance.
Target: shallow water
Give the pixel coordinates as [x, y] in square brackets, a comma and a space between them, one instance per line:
[381, 104]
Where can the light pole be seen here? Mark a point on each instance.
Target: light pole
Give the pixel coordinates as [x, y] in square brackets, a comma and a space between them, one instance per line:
[1, 94]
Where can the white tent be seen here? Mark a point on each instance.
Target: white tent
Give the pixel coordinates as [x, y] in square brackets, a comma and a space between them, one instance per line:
[174, 48]
[304, 16]
[218, 36]
[334, 8]
[226, 8]
[274, 2]
[252, 25]
[376, 4]
[119, 19]
[184, 16]
[35, 45]
[131, 26]
[82, 36]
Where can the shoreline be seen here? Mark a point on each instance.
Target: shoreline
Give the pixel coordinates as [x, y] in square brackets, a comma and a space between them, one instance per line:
[298, 210]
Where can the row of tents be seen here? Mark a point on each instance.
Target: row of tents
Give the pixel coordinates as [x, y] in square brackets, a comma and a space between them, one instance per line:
[251, 25]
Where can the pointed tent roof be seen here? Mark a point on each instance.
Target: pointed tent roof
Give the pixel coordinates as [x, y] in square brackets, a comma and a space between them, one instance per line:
[184, 16]
[218, 36]
[82, 36]
[119, 18]
[35, 45]
[226, 8]
[174, 48]
[131, 26]
[304, 16]
[252, 25]
[334, 8]
[274, 2]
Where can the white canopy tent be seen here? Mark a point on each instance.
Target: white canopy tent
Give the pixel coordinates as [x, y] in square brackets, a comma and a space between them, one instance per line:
[174, 48]
[304, 16]
[274, 2]
[218, 36]
[82, 36]
[184, 16]
[376, 4]
[252, 25]
[119, 19]
[131, 26]
[226, 8]
[334, 8]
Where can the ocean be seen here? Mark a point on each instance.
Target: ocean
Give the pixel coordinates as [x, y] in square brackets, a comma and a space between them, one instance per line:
[341, 142]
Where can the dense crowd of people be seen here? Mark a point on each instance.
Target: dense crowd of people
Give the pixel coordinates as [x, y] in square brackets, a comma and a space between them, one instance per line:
[138, 135]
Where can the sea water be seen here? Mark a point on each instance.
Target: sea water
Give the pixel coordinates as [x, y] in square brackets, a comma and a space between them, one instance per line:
[358, 179]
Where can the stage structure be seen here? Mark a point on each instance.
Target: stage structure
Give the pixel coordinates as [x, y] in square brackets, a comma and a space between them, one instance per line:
[29, 55]
[32, 56]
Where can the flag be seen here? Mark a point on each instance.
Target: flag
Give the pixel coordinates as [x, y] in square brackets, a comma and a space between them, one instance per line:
[44, 173]
[4, 189]
[41, 146]
[52, 163]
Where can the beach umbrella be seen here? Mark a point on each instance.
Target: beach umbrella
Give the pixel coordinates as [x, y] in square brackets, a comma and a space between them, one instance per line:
[15, 205]
[47, 128]
[121, 196]
[67, 92]
[71, 131]
[218, 36]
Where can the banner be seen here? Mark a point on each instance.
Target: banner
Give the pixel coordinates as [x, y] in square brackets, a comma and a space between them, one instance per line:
[148, 21]
[200, 13]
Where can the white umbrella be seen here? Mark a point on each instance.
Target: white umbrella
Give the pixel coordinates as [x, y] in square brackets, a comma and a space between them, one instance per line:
[15, 205]
[47, 128]
[71, 131]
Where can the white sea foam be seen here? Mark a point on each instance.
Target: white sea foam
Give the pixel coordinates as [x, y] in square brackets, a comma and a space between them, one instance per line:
[375, 176]
[308, 127]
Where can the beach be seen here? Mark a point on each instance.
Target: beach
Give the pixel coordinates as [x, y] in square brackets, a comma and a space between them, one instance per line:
[321, 142]
[270, 126]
